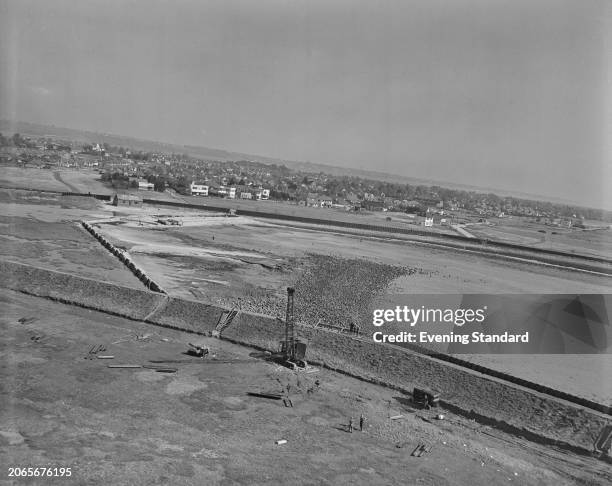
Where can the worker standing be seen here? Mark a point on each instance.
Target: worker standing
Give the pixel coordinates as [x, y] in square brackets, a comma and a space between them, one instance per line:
[361, 422]
[350, 427]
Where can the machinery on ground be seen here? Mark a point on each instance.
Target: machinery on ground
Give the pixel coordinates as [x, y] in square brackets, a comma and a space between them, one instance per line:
[197, 350]
[425, 398]
[292, 352]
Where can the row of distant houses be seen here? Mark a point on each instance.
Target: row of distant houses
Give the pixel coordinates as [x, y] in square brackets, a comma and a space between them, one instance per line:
[237, 192]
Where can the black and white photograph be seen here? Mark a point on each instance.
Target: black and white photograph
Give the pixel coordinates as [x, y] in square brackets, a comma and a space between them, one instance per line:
[306, 242]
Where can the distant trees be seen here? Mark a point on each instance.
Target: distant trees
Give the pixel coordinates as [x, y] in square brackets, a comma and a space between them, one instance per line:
[140, 155]
[279, 195]
[181, 185]
[160, 184]
[17, 140]
[116, 180]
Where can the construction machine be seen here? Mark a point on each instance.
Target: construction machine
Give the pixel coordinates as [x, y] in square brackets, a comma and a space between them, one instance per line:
[425, 398]
[292, 351]
[197, 350]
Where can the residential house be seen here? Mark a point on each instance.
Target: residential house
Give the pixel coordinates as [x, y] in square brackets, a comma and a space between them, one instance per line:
[127, 200]
[228, 192]
[198, 189]
[315, 200]
[325, 202]
[432, 219]
[145, 186]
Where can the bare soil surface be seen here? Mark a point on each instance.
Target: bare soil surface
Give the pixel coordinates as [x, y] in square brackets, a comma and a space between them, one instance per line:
[586, 242]
[65, 180]
[39, 179]
[83, 181]
[44, 230]
[199, 426]
[585, 375]
[436, 270]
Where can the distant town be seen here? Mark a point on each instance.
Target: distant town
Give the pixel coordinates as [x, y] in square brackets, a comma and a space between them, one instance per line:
[127, 170]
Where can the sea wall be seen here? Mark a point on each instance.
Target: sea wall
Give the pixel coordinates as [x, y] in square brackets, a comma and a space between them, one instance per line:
[105, 297]
[187, 315]
[125, 259]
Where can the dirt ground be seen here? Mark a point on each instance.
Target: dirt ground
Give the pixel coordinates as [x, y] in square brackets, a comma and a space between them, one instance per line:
[199, 426]
[83, 181]
[43, 229]
[592, 242]
[64, 180]
[584, 375]
[40, 179]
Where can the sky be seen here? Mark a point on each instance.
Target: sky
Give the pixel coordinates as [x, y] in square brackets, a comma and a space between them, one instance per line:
[508, 94]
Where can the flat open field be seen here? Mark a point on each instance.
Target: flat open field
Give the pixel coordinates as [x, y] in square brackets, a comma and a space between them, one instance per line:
[65, 180]
[575, 240]
[43, 230]
[179, 256]
[584, 375]
[39, 179]
[199, 426]
[83, 181]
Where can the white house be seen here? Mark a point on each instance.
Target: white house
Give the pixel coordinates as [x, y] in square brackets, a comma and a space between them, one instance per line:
[265, 194]
[145, 186]
[228, 192]
[325, 202]
[198, 189]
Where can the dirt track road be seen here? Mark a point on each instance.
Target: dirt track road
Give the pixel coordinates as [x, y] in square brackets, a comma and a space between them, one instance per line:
[58, 178]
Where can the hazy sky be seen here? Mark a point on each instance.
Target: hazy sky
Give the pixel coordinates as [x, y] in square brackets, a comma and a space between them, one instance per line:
[509, 94]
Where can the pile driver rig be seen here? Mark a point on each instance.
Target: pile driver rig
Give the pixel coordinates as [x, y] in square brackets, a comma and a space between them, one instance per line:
[292, 352]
